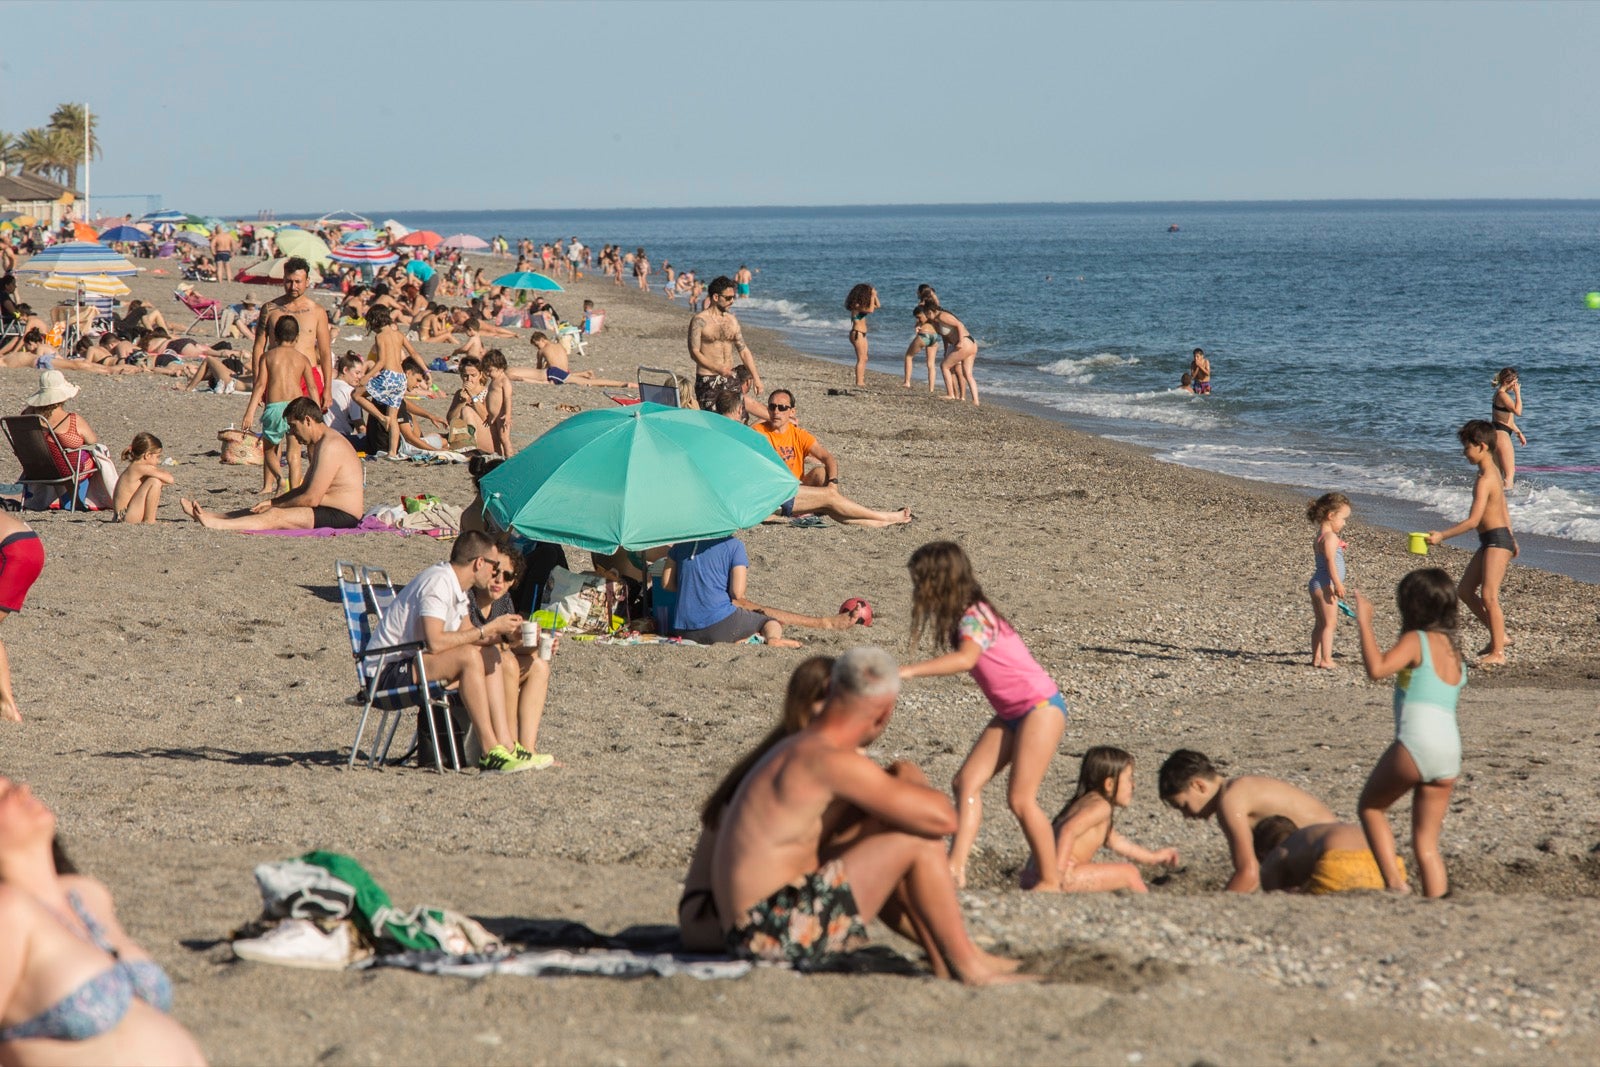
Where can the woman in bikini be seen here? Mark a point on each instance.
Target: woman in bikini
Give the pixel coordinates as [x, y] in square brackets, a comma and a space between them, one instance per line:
[862, 301]
[1507, 406]
[76, 989]
[960, 352]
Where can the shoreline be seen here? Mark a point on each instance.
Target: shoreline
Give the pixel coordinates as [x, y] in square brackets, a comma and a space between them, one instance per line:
[1578, 560]
[207, 732]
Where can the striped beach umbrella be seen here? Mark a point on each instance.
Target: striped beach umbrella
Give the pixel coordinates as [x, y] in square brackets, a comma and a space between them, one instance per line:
[464, 241]
[92, 284]
[78, 257]
[169, 217]
[364, 253]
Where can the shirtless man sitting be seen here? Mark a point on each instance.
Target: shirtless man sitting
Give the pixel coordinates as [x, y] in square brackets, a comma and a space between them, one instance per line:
[818, 493]
[313, 339]
[1189, 783]
[770, 864]
[714, 338]
[330, 497]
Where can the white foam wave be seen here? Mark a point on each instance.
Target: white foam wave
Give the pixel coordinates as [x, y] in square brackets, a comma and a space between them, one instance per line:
[1082, 371]
[1549, 510]
[1166, 407]
[792, 313]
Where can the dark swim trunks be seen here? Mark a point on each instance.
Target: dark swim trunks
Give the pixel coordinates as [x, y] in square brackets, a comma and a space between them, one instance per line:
[707, 386]
[804, 923]
[1499, 537]
[324, 518]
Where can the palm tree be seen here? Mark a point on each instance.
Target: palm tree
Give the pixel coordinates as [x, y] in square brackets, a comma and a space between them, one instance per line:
[8, 152]
[67, 122]
[39, 152]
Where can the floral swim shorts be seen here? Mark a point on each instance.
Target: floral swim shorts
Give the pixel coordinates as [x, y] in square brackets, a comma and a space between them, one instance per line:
[804, 923]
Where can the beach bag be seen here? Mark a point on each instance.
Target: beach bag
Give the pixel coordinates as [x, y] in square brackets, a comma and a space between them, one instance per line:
[294, 889]
[577, 599]
[240, 447]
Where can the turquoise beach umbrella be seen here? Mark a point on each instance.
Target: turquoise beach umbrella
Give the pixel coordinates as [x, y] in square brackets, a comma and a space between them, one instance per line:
[638, 477]
[527, 279]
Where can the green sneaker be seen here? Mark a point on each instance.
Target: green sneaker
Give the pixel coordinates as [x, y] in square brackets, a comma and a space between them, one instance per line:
[531, 760]
[498, 760]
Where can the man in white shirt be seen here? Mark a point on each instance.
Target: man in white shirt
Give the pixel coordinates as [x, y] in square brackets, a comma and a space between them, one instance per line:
[432, 608]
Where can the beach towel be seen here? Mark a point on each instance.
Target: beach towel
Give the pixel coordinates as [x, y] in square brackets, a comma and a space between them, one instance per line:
[545, 963]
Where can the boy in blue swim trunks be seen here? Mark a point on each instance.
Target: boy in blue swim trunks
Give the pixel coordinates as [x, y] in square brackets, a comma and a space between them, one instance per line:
[280, 374]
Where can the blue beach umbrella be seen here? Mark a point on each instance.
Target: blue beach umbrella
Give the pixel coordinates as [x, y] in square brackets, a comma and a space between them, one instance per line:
[168, 217]
[78, 257]
[189, 237]
[638, 477]
[527, 279]
[123, 233]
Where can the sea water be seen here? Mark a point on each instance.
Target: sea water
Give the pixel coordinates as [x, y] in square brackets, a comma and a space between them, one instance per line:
[1348, 340]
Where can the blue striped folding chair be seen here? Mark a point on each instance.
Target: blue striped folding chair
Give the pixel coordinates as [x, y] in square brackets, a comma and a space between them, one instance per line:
[392, 701]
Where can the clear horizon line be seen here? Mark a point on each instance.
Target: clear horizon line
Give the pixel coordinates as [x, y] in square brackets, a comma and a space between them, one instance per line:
[952, 204]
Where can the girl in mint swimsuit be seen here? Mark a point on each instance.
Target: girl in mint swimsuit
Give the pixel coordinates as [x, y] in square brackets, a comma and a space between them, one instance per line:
[1425, 757]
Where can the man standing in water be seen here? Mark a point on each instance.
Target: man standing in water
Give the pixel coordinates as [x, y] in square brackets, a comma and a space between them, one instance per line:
[714, 337]
[741, 279]
[313, 341]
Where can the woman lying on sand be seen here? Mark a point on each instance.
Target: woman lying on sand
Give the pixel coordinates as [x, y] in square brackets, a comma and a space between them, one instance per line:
[74, 988]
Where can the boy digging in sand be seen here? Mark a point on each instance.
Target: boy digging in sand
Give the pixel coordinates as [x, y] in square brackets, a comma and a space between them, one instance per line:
[1480, 583]
[282, 373]
[1190, 784]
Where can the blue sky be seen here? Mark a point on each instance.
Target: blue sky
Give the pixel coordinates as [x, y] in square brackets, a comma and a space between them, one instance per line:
[231, 108]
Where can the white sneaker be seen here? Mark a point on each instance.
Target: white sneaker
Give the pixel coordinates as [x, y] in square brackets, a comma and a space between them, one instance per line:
[300, 943]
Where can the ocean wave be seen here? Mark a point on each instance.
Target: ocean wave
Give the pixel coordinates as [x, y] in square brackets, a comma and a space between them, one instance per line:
[1082, 371]
[1549, 510]
[791, 313]
[1166, 407]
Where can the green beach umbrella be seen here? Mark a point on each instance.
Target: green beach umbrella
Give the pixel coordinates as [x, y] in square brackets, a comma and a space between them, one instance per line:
[527, 279]
[638, 477]
[308, 246]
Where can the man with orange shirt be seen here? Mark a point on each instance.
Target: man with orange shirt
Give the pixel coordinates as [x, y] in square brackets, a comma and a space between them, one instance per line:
[819, 487]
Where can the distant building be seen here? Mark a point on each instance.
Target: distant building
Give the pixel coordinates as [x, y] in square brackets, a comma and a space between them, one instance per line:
[40, 197]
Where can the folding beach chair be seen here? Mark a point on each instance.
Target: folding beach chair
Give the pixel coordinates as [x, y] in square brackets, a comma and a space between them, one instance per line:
[664, 389]
[44, 461]
[420, 694]
[204, 310]
[571, 338]
[380, 594]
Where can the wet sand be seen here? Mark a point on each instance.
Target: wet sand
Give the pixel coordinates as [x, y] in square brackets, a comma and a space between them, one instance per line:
[184, 699]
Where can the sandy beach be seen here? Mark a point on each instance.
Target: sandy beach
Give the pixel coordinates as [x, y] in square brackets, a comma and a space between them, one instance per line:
[184, 699]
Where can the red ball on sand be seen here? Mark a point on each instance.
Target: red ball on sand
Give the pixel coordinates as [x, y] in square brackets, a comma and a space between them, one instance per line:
[864, 618]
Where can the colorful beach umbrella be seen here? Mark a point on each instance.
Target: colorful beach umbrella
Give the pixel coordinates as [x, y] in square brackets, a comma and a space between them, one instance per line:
[527, 279]
[420, 239]
[344, 218]
[92, 284]
[122, 232]
[364, 253]
[189, 237]
[82, 231]
[165, 217]
[78, 257]
[465, 242]
[638, 477]
[350, 237]
[24, 220]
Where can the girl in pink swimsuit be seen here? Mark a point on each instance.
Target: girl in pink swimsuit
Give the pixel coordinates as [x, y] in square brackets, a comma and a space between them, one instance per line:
[1029, 712]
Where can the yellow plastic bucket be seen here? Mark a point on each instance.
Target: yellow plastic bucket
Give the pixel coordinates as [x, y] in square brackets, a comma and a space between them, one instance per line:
[1417, 543]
